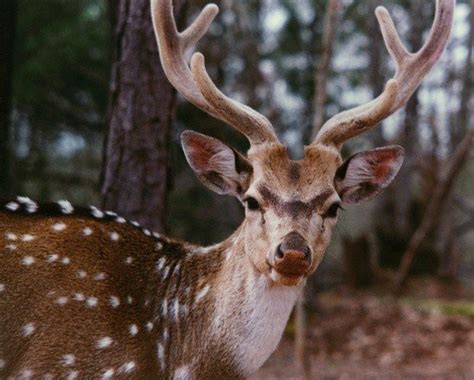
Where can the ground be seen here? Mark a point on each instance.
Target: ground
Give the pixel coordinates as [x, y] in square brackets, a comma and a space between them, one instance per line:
[428, 334]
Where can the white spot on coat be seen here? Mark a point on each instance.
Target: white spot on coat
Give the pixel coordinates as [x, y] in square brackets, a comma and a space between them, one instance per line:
[104, 342]
[202, 293]
[82, 274]
[160, 264]
[59, 227]
[147, 232]
[68, 360]
[111, 213]
[86, 231]
[129, 300]
[66, 260]
[66, 207]
[133, 329]
[129, 260]
[176, 309]
[159, 246]
[27, 237]
[182, 373]
[156, 235]
[2, 363]
[164, 308]
[114, 301]
[31, 206]
[120, 220]
[12, 206]
[52, 258]
[2, 288]
[161, 355]
[26, 374]
[100, 276]
[11, 236]
[11, 247]
[28, 329]
[91, 301]
[96, 213]
[114, 236]
[149, 326]
[62, 301]
[79, 297]
[135, 223]
[166, 272]
[28, 260]
[108, 373]
[127, 367]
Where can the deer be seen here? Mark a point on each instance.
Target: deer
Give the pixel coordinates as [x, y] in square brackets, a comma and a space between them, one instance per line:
[85, 293]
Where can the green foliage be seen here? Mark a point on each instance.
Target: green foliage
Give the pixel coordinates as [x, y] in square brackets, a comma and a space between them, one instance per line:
[61, 70]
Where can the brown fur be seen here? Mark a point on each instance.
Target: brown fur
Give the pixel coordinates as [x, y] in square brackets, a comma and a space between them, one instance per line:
[31, 294]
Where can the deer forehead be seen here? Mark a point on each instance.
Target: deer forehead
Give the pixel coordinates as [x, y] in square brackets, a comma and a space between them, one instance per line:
[274, 172]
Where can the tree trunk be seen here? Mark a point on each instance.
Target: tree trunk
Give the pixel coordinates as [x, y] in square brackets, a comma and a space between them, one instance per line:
[376, 49]
[8, 13]
[324, 66]
[135, 177]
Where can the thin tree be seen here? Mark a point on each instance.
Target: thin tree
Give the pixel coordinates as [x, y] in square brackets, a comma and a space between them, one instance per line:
[320, 97]
[135, 177]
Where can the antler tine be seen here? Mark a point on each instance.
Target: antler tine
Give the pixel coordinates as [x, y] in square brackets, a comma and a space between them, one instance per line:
[250, 122]
[411, 68]
[196, 86]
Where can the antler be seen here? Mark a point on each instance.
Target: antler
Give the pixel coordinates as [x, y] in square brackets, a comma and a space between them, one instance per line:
[194, 82]
[411, 68]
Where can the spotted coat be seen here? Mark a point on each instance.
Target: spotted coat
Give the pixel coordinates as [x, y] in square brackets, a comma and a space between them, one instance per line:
[86, 294]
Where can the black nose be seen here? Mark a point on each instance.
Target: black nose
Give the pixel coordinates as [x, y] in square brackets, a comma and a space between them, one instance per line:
[295, 244]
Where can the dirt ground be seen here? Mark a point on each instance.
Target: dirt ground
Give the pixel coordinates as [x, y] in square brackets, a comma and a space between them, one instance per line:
[365, 335]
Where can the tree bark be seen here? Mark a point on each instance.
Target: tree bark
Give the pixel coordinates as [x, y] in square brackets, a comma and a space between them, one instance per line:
[135, 177]
[466, 93]
[322, 71]
[8, 17]
[319, 105]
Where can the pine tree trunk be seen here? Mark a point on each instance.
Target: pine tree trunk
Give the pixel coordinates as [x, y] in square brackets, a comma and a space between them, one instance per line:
[135, 177]
[8, 13]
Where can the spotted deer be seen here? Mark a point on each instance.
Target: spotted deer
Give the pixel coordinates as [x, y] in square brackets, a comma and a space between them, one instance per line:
[87, 294]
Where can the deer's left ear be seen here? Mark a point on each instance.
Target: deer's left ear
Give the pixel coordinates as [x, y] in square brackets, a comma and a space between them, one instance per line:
[220, 168]
[368, 173]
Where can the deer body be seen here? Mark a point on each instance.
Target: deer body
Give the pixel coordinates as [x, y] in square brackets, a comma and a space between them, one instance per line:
[140, 306]
[86, 294]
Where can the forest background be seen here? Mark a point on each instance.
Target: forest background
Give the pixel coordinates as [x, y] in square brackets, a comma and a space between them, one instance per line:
[78, 95]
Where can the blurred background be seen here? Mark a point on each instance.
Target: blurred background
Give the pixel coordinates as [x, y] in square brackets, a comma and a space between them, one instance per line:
[87, 115]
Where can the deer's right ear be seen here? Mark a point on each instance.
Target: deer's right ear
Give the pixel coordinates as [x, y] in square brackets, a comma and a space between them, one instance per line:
[219, 167]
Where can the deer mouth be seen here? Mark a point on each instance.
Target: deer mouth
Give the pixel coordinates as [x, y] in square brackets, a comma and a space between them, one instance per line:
[286, 276]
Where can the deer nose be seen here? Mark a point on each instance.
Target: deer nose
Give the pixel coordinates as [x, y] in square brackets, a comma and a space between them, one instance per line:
[293, 256]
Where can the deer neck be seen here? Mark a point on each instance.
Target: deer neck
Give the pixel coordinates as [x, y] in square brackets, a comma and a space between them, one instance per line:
[239, 310]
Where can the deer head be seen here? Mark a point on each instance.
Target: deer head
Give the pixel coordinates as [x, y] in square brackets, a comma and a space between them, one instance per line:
[291, 206]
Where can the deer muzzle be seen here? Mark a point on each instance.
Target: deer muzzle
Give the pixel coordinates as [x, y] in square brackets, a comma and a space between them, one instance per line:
[293, 257]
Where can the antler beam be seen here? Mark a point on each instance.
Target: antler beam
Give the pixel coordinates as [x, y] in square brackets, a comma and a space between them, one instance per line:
[411, 68]
[194, 82]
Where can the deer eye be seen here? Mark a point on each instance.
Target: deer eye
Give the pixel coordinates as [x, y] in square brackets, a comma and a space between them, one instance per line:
[252, 203]
[332, 210]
